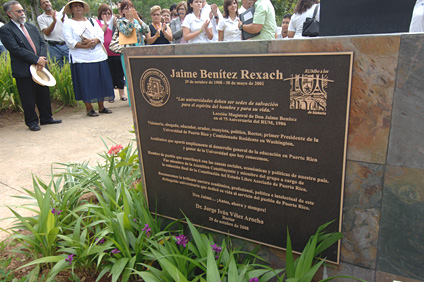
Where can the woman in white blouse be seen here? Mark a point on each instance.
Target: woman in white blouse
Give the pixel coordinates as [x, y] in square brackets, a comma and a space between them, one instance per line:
[196, 30]
[90, 72]
[304, 9]
[229, 26]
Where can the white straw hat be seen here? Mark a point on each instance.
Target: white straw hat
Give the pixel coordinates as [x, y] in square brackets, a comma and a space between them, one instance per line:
[42, 77]
[68, 6]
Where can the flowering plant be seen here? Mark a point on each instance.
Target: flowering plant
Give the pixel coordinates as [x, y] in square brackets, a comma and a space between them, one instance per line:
[114, 150]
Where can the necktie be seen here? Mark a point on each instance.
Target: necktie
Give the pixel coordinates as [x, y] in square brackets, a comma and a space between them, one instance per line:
[28, 38]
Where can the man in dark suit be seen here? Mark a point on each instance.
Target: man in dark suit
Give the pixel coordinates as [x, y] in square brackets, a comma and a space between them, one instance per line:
[27, 47]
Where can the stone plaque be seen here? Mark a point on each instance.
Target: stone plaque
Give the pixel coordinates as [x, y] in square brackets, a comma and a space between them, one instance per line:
[245, 145]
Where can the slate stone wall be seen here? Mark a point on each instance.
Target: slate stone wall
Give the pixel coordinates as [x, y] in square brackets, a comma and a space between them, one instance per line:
[383, 214]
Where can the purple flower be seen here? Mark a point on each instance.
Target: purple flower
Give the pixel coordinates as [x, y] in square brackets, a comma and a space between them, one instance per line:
[254, 279]
[115, 251]
[70, 258]
[182, 240]
[54, 211]
[147, 230]
[216, 248]
[135, 220]
[101, 241]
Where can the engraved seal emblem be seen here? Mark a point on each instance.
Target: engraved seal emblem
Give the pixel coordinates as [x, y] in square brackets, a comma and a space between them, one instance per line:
[155, 87]
[308, 91]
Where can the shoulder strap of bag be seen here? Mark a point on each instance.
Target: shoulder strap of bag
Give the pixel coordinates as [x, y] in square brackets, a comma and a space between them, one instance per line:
[91, 20]
[315, 11]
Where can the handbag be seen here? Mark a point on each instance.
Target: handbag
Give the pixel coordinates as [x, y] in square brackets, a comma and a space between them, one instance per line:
[114, 43]
[125, 40]
[311, 25]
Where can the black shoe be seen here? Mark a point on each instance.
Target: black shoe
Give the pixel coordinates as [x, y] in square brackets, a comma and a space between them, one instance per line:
[52, 121]
[34, 127]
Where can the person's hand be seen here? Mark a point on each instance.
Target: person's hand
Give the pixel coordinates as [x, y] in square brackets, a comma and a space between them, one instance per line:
[54, 16]
[214, 10]
[93, 43]
[162, 25]
[42, 61]
[115, 21]
[205, 25]
[85, 43]
[137, 17]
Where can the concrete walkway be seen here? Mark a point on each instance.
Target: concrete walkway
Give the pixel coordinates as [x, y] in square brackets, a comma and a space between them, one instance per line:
[24, 153]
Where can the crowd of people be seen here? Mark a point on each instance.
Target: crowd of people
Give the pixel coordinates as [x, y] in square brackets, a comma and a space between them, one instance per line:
[70, 35]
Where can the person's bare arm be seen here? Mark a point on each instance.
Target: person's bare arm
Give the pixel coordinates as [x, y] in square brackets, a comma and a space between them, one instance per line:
[252, 28]
[220, 35]
[48, 30]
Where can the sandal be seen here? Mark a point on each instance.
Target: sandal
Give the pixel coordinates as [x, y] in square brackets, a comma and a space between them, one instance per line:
[92, 113]
[105, 111]
[112, 101]
[124, 99]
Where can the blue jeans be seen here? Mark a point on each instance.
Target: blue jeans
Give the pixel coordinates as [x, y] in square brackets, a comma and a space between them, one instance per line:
[2, 49]
[59, 53]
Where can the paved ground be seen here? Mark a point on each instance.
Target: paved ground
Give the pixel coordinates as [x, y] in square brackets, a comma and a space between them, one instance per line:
[24, 153]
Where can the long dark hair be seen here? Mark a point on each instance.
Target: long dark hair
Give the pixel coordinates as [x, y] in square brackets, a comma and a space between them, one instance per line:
[303, 5]
[226, 4]
[189, 8]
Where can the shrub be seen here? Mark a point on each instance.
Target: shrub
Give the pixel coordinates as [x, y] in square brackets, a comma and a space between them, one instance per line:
[9, 97]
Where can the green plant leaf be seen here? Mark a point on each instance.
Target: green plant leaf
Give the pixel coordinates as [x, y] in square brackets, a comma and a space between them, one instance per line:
[118, 268]
[232, 271]
[43, 260]
[212, 269]
[173, 271]
[199, 242]
[309, 275]
[290, 271]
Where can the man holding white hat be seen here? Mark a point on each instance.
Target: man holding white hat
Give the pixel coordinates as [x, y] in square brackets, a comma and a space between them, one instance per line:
[51, 24]
[27, 47]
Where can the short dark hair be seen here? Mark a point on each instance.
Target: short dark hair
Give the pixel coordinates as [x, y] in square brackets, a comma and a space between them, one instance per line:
[287, 16]
[102, 8]
[124, 4]
[173, 7]
[8, 5]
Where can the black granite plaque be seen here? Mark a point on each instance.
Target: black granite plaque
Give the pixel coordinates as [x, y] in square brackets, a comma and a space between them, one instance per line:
[340, 17]
[245, 145]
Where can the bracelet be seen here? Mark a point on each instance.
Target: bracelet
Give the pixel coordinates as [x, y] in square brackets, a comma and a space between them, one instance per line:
[200, 30]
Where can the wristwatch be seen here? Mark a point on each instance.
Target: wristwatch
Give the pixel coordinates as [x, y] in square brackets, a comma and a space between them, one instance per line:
[241, 27]
[216, 17]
